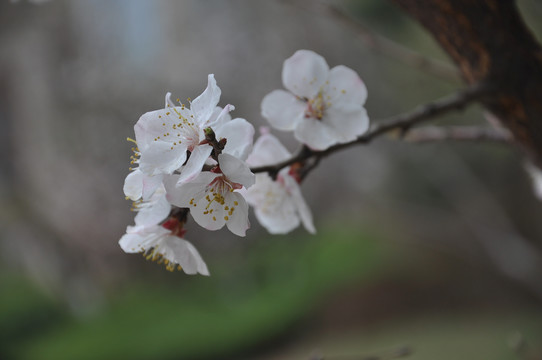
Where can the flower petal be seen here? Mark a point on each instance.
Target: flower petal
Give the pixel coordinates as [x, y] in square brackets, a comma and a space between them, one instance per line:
[301, 206]
[185, 254]
[239, 134]
[315, 134]
[236, 170]
[348, 121]
[204, 105]
[273, 208]
[209, 214]
[283, 110]
[162, 158]
[150, 185]
[345, 86]
[154, 212]
[187, 194]
[133, 185]
[304, 73]
[195, 163]
[267, 150]
[141, 238]
[237, 221]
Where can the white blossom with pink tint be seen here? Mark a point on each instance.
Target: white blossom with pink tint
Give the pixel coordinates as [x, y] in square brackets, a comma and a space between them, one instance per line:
[278, 204]
[213, 197]
[323, 107]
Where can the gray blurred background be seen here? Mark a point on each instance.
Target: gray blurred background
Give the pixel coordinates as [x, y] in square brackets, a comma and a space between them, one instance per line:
[454, 228]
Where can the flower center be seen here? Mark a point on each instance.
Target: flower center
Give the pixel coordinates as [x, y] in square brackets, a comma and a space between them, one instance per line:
[316, 107]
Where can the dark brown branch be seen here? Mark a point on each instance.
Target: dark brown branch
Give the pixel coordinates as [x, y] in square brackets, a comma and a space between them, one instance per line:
[402, 122]
[489, 42]
[387, 47]
[429, 134]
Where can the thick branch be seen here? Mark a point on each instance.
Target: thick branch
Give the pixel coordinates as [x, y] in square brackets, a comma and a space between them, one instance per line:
[489, 42]
[402, 122]
[387, 47]
[428, 134]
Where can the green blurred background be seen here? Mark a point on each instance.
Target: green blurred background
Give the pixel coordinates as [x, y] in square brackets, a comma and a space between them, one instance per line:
[433, 247]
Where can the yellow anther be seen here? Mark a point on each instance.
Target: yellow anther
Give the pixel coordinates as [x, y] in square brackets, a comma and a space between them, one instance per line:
[214, 218]
[235, 203]
[226, 218]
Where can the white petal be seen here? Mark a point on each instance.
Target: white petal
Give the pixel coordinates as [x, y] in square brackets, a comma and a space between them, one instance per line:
[161, 141]
[141, 238]
[131, 243]
[283, 110]
[185, 254]
[267, 150]
[348, 121]
[204, 105]
[220, 116]
[273, 207]
[239, 134]
[315, 134]
[182, 195]
[159, 126]
[154, 212]
[302, 208]
[133, 185]
[345, 86]
[237, 221]
[162, 158]
[236, 170]
[150, 185]
[195, 163]
[209, 214]
[304, 73]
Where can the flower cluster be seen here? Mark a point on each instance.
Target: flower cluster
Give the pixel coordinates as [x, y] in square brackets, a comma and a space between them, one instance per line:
[195, 159]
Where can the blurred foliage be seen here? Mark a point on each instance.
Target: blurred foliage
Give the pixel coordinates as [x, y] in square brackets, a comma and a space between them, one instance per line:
[200, 319]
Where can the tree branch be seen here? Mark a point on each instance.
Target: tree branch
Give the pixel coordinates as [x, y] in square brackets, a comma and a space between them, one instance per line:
[387, 47]
[402, 122]
[428, 134]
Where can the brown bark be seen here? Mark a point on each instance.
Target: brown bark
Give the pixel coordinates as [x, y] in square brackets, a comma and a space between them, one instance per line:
[489, 42]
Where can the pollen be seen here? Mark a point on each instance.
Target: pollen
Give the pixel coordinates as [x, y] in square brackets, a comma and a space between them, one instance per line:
[226, 218]
[214, 218]
[235, 203]
[168, 113]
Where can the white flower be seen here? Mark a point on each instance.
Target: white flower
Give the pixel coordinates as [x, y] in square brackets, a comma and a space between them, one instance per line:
[212, 197]
[323, 107]
[164, 136]
[279, 205]
[161, 242]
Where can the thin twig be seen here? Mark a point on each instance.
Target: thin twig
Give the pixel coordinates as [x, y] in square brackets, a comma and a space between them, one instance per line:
[429, 134]
[385, 46]
[402, 122]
